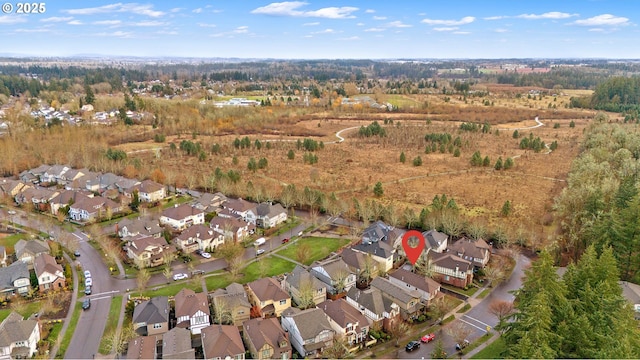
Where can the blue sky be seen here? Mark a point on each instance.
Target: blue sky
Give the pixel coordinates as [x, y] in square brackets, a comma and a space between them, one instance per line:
[328, 29]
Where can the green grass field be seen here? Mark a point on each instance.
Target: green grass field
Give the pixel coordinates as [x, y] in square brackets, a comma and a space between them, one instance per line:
[217, 282]
[171, 289]
[266, 266]
[112, 323]
[495, 350]
[64, 344]
[318, 248]
[10, 241]
[28, 310]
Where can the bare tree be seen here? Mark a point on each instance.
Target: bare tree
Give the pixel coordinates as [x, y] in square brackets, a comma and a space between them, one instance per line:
[424, 265]
[302, 253]
[232, 253]
[143, 279]
[338, 349]
[397, 329]
[221, 311]
[305, 296]
[494, 274]
[117, 339]
[167, 272]
[439, 308]
[459, 332]
[501, 309]
[340, 278]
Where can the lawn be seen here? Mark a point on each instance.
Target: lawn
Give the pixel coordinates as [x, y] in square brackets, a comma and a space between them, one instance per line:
[484, 293]
[64, 344]
[9, 241]
[287, 226]
[318, 248]
[217, 282]
[112, 323]
[28, 309]
[495, 350]
[469, 292]
[264, 267]
[171, 289]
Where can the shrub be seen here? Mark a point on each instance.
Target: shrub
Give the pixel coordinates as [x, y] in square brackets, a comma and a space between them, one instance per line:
[417, 161]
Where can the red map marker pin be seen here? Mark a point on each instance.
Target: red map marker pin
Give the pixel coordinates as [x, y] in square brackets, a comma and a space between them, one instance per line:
[413, 253]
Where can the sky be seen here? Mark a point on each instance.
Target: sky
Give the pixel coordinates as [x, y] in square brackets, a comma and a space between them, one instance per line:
[342, 29]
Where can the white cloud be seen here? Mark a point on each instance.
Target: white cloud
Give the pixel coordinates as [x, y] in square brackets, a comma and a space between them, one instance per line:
[452, 28]
[379, 18]
[290, 8]
[75, 22]
[241, 30]
[548, 15]
[207, 25]
[461, 32]
[39, 30]
[374, 29]
[398, 24]
[501, 30]
[149, 23]
[360, 24]
[197, 11]
[369, 11]
[57, 19]
[131, 8]
[495, 17]
[311, 24]
[351, 38]
[175, 10]
[120, 34]
[10, 19]
[164, 32]
[603, 20]
[107, 22]
[327, 31]
[463, 21]
[597, 30]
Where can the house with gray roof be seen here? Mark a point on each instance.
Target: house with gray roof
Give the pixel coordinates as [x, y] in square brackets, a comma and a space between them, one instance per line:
[127, 228]
[208, 202]
[426, 286]
[240, 207]
[373, 305]
[299, 281]
[380, 251]
[151, 317]
[18, 337]
[27, 250]
[198, 237]
[409, 301]
[176, 344]
[346, 320]
[335, 274]
[363, 265]
[15, 279]
[231, 305]
[309, 330]
[267, 215]
[476, 251]
[435, 241]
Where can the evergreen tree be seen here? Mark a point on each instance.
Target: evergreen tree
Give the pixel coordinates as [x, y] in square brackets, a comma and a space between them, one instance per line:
[486, 161]
[403, 158]
[291, 155]
[498, 165]
[377, 189]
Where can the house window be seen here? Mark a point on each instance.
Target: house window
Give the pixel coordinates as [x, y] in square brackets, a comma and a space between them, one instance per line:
[240, 312]
[283, 302]
[239, 356]
[266, 354]
[157, 326]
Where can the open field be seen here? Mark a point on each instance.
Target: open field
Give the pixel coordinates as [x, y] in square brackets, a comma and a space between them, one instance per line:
[317, 248]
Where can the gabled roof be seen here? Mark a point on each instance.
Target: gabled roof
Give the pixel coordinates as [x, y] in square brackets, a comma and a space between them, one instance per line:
[343, 314]
[451, 261]
[267, 209]
[11, 273]
[14, 328]
[421, 282]
[239, 205]
[141, 244]
[310, 322]
[93, 204]
[376, 232]
[220, 341]
[149, 186]
[434, 238]
[379, 249]
[234, 296]
[176, 344]
[153, 311]
[472, 248]
[198, 231]
[33, 247]
[140, 226]
[300, 275]
[188, 303]
[371, 299]
[47, 263]
[392, 290]
[333, 267]
[232, 225]
[179, 212]
[265, 331]
[267, 289]
[142, 347]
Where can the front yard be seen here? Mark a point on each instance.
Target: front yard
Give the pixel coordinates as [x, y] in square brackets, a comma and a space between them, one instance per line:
[309, 249]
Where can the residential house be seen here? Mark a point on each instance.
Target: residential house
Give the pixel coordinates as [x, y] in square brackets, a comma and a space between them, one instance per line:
[176, 344]
[267, 295]
[71, 175]
[377, 308]
[435, 241]
[127, 228]
[150, 191]
[266, 339]
[380, 251]
[50, 274]
[148, 251]
[409, 301]
[87, 209]
[426, 286]
[335, 274]
[182, 216]
[451, 269]
[142, 347]
[209, 203]
[346, 320]
[476, 251]
[231, 305]
[380, 231]
[39, 197]
[11, 188]
[98, 183]
[65, 198]
[240, 207]
[309, 330]
[54, 174]
[198, 237]
[192, 310]
[3, 256]
[299, 281]
[14, 279]
[18, 337]
[35, 172]
[267, 215]
[125, 186]
[28, 250]
[231, 228]
[151, 317]
[362, 264]
[222, 342]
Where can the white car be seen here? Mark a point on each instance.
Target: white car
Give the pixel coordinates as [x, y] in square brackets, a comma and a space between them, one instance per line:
[88, 282]
[180, 276]
[205, 255]
[87, 274]
[260, 252]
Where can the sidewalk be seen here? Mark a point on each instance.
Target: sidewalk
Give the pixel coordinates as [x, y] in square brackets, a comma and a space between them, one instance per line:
[72, 306]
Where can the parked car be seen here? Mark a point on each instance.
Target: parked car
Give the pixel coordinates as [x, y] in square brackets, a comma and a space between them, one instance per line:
[412, 345]
[87, 274]
[86, 304]
[428, 338]
[205, 255]
[87, 290]
[180, 276]
[285, 240]
[88, 282]
[76, 253]
[197, 272]
[11, 212]
[260, 252]
[259, 242]
[462, 345]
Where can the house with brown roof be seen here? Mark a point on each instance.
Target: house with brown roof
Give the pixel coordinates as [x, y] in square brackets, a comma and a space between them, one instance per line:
[476, 251]
[346, 320]
[240, 207]
[426, 286]
[451, 269]
[148, 251]
[267, 295]
[142, 347]
[151, 317]
[133, 227]
[176, 344]
[309, 330]
[11, 188]
[50, 274]
[18, 337]
[335, 274]
[37, 196]
[198, 237]
[377, 308]
[148, 191]
[230, 228]
[182, 216]
[362, 264]
[301, 283]
[266, 339]
[27, 250]
[409, 301]
[231, 305]
[222, 342]
[87, 209]
[192, 310]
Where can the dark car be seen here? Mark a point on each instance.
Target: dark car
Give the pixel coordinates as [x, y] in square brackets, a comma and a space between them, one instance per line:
[413, 345]
[76, 253]
[285, 240]
[462, 345]
[86, 304]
